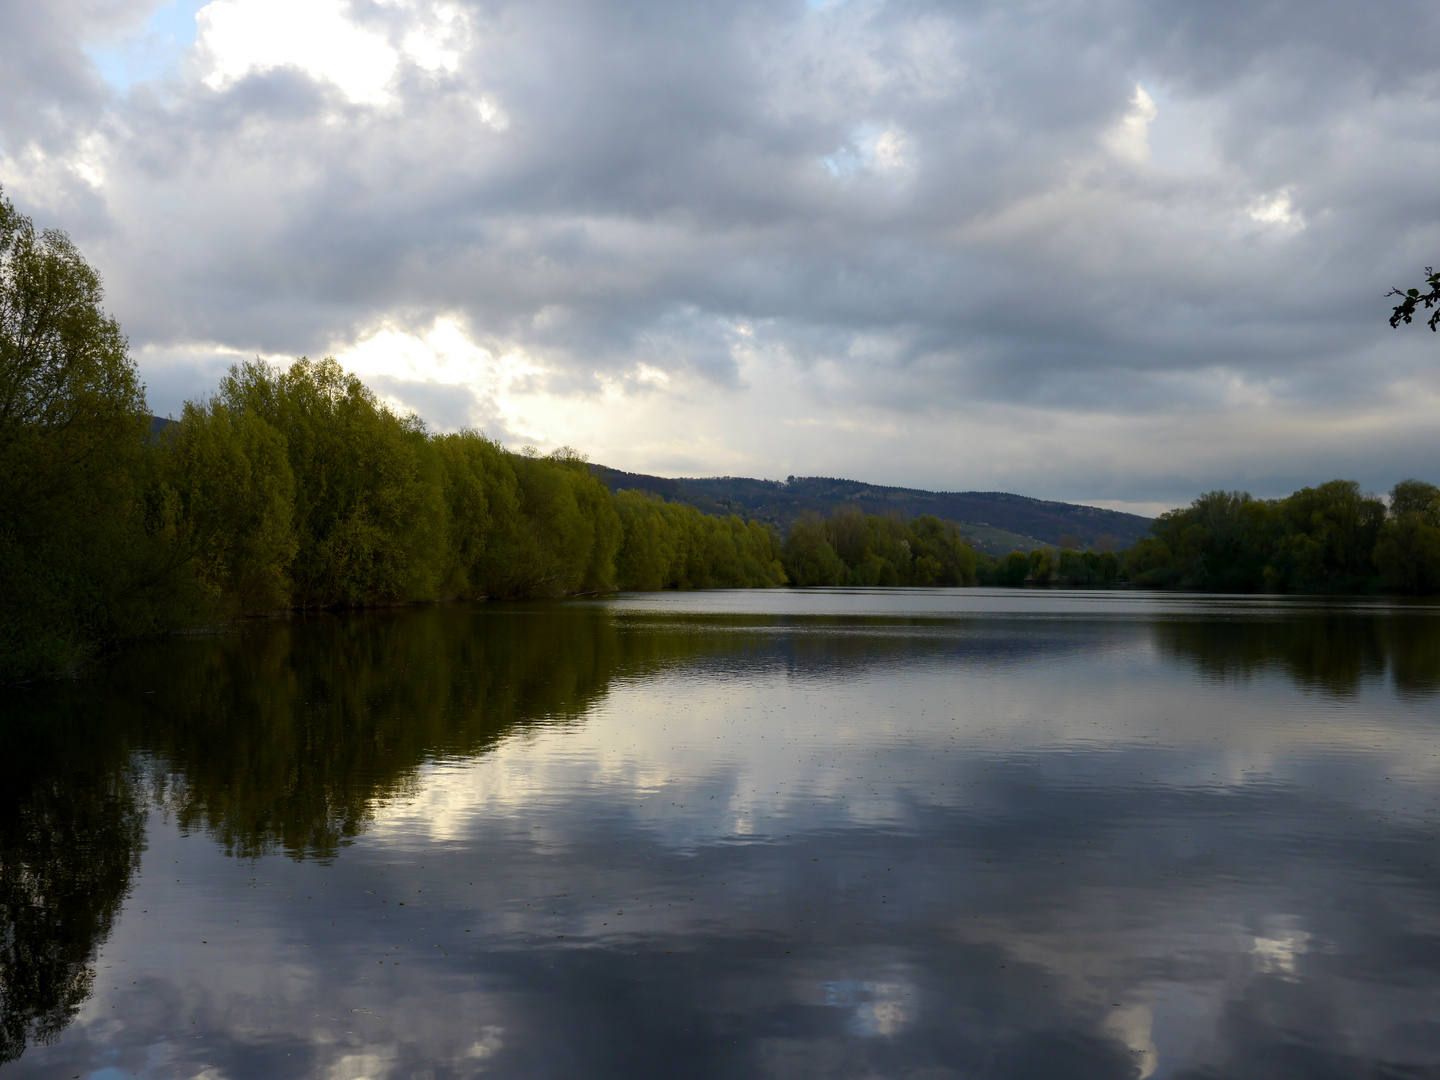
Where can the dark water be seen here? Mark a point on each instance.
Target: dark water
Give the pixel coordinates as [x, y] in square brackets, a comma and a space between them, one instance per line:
[824, 834]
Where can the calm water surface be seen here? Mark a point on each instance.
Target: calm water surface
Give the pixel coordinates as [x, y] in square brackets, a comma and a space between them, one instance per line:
[900, 833]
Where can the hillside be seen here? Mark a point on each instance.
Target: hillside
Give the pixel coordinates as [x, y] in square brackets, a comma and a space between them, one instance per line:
[995, 521]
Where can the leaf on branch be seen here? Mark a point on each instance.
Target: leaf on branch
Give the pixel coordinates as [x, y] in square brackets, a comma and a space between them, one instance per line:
[1404, 312]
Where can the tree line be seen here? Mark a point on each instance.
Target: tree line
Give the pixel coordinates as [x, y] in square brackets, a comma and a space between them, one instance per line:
[297, 488]
[287, 488]
[854, 548]
[1332, 538]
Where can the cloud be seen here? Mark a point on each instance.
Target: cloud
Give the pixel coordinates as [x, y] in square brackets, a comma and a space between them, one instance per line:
[1129, 140]
[1278, 210]
[979, 225]
[238, 37]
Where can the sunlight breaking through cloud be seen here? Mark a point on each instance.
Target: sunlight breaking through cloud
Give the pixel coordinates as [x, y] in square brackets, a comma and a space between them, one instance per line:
[237, 37]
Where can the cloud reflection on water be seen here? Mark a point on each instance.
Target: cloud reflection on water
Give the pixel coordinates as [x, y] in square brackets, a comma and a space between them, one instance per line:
[596, 840]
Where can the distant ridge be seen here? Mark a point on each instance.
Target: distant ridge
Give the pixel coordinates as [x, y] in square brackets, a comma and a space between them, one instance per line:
[995, 521]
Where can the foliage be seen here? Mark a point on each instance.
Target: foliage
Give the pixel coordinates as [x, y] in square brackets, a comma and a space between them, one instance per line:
[481, 500]
[1088, 568]
[1014, 570]
[369, 504]
[1220, 543]
[229, 474]
[1328, 540]
[809, 557]
[674, 546]
[1042, 566]
[1410, 298]
[855, 548]
[78, 561]
[571, 531]
[1046, 566]
[1407, 552]
[1331, 538]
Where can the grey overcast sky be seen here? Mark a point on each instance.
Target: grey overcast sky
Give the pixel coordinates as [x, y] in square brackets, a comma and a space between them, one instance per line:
[1109, 251]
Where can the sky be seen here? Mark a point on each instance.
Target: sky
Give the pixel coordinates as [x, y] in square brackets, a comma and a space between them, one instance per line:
[1117, 252]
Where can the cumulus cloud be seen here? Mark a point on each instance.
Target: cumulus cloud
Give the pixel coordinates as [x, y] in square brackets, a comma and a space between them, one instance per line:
[237, 37]
[999, 245]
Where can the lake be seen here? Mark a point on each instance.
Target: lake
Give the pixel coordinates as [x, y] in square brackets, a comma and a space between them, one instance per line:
[828, 833]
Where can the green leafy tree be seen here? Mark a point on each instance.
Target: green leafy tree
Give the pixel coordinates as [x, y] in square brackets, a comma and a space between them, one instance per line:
[1042, 565]
[234, 493]
[76, 565]
[886, 558]
[809, 557]
[648, 541]
[1320, 539]
[369, 514]
[486, 552]
[481, 508]
[941, 555]
[1015, 569]
[759, 547]
[1329, 540]
[1222, 542]
[566, 531]
[852, 547]
[671, 545]
[1070, 568]
[1407, 552]
[1148, 563]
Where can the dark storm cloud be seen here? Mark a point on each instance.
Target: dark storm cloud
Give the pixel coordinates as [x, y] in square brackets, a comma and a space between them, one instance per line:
[945, 201]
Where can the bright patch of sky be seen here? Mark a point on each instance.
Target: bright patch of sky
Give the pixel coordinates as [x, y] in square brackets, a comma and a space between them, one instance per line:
[1130, 139]
[1277, 209]
[238, 37]
[153, 51]
[872, 149]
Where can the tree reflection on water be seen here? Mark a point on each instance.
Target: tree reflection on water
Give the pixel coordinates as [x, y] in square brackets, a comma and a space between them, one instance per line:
[1334, 652]
[283, 737]
[71, 834]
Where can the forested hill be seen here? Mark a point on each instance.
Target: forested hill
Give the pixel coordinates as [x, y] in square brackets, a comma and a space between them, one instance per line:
[996, 522]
